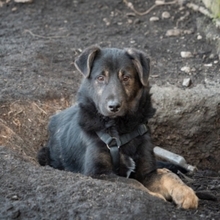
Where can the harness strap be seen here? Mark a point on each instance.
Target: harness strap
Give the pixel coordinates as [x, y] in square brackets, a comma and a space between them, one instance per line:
[113, 143]
[114, 151]
[139, 131]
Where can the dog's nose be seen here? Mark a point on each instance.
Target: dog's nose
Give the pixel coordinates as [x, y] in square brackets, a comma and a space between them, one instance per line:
[114, 106]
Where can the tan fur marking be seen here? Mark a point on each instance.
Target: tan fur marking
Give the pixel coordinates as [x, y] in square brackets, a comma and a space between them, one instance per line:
[173, 187]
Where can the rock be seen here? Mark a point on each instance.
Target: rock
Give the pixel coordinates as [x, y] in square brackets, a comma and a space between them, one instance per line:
[165, 15]
[14, 9]
[208, 64]
[107, 22]
[185, 69]
[173, 32]
[186, 54]
[130, 21]
[186, 82]
[189, 31]
[159, 2]
[154, 18]
[199, 37]
[211, 56]
[137, 21]
[14, 197]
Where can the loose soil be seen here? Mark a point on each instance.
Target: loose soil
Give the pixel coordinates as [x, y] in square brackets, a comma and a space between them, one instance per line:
[38, 44]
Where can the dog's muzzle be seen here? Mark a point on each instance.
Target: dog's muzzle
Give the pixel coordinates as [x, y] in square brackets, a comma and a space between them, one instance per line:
[113, 106]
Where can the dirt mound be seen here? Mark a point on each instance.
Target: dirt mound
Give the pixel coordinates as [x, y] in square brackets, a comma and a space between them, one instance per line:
[32, 192]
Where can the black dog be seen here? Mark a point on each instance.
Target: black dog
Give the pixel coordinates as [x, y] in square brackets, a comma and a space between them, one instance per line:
[106, 132]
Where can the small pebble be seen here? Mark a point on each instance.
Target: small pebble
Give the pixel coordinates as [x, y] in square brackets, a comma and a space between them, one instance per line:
[107, 22]
[199, 37]
[159, 2]
[14, 197]
[14, 9]
[165, 15]
[211, 56]
[137, 21]
[189, 31]
[173, 32]
[130, 21]
[193, 69]
[186, 82]
[154, 18]
[186, 54]
[185, 69]
[208, 64]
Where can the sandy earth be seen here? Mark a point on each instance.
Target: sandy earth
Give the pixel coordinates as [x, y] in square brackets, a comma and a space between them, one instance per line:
[38, 44]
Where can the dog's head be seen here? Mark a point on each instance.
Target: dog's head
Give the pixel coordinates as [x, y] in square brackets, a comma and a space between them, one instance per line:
[114, 78]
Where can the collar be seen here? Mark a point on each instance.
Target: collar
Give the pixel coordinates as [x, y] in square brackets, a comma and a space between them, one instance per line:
[114, 144]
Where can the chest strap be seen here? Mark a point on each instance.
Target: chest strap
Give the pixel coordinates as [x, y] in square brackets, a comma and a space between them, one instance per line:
[114, 144]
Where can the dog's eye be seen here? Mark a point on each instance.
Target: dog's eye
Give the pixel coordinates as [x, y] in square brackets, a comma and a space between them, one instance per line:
[125, 78]
[101, 78]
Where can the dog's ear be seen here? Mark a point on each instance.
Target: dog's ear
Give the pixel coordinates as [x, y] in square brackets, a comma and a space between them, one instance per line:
[141, 63]
[84, 62]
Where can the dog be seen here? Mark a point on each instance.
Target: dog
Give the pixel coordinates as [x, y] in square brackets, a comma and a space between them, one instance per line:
[106, 132]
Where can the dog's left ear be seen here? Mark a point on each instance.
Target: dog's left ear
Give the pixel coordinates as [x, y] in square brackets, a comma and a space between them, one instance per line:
[84, 62]
[141, 63]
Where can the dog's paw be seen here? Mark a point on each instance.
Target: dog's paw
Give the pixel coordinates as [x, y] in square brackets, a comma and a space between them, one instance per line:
[184, 197]
[174, 188]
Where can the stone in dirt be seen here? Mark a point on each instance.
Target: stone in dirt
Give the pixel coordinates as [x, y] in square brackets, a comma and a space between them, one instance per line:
[186, 54]
[186, 69]
[165, 15]
[186, 82]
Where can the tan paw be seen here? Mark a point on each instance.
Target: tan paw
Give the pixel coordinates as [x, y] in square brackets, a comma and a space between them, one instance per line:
[184, 197]
[174, 188]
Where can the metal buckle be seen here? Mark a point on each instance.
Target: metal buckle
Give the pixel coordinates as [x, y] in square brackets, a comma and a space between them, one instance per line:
[118, 142]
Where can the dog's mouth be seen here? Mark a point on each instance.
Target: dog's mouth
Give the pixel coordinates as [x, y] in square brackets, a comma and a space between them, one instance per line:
[112, 113]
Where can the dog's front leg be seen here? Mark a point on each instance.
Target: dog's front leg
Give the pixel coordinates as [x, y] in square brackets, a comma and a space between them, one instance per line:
[171, 187]
[97, 161]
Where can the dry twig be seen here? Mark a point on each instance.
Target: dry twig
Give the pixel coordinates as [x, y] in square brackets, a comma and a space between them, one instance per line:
[36, 35]
[39, 108]
[157, 3]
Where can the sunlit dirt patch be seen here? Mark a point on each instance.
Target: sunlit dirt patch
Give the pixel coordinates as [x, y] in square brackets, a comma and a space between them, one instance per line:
[23, 124]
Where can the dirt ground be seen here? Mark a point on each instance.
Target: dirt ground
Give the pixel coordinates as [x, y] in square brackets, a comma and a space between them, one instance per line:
[38, 44]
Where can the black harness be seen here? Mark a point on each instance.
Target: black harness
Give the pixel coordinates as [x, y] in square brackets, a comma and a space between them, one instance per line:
[114, 144]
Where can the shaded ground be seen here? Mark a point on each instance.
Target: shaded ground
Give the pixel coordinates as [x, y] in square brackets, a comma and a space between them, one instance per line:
[30, 192]
[38, 43]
